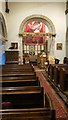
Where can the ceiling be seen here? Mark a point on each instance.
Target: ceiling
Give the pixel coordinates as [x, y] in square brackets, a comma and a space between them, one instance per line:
[33, 0]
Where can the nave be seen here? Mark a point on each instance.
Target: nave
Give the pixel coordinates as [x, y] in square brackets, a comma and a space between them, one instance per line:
[33, 60]
[27, 95]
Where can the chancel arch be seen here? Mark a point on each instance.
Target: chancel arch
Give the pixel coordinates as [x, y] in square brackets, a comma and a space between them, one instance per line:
[3, 38]
[50, 36]
[3, 29]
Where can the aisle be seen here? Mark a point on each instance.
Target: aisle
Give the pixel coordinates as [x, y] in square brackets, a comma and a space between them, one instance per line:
[61, 113]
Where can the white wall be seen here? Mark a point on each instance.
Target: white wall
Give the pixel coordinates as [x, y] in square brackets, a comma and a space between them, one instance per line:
[0, 6]
[54, 11]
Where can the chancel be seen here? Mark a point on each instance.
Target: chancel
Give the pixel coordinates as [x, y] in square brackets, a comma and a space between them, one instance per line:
[33, 60]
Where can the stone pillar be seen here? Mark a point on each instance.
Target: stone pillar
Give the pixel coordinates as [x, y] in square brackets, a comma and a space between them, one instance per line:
[46, 50]
[20, 52]
[53, 45]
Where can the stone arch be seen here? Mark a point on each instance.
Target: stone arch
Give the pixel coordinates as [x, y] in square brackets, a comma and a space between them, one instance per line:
[40, 18]
[3, 29]
[46, 21]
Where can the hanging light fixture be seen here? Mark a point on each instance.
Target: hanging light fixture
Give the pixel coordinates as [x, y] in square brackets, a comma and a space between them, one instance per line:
[66, 11]
[6, 5]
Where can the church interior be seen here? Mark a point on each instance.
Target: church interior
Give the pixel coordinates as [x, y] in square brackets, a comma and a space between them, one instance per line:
[33, 60]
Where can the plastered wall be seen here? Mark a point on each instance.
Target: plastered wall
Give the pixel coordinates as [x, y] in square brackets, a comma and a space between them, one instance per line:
[54, 11]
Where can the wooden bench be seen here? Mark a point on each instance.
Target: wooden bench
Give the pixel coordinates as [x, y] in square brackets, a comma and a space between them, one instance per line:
[16, 68]
[48, 69]
[64, 79]
[23, 97]
[47, 112]
[29, 114]
[57, 72]
[51, 70]
[17, 73]
[5, 73]
[17, 77]
[27, 66]
[16, 83]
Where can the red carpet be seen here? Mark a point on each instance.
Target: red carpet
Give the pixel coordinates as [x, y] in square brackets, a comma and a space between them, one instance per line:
[61, 113]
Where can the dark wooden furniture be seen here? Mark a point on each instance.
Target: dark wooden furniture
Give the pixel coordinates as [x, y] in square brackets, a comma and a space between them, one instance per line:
[27, 103]
[16, 83]
[57, 69]
[23, 97]
[52, 71]
[29, 114]
[12, 56]
[64, 79]
[17, 72]
[17, 77]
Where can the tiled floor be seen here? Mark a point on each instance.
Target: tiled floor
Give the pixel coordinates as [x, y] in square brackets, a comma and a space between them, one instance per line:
[61, 111]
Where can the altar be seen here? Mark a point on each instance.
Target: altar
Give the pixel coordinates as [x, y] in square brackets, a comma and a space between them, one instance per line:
[33, 59]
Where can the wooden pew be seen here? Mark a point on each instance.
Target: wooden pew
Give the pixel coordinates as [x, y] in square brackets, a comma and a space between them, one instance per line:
[64, 79]
[16, 83]
[17, 74]
[29, 114]
[23, 97]
[51, 70]
[25, 102]
[9, 73]
[22, 67]
[17, 66]
[17, 77]
[17, 69]
[44, 112]
[57, 72]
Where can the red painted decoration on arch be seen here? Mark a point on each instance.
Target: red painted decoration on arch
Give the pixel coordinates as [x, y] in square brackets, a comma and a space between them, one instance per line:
[34, 27]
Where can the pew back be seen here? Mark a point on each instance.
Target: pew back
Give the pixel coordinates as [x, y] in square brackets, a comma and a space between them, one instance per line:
[43, 113]
[23, 97]
[16, 83]
[64, 79]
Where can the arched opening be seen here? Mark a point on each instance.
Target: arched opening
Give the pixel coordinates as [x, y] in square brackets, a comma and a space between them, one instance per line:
[50, 34]
[3, 38]
[3, 29]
